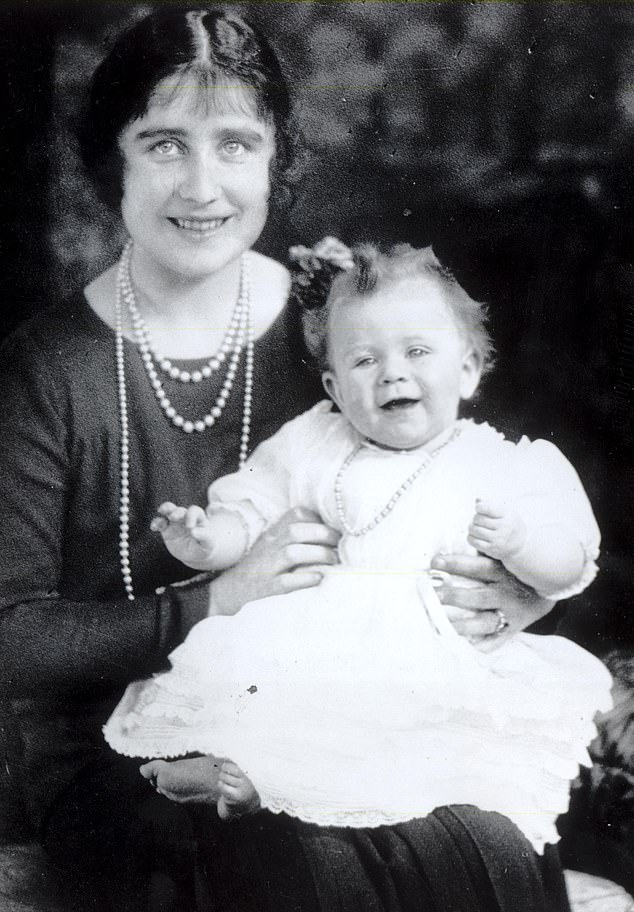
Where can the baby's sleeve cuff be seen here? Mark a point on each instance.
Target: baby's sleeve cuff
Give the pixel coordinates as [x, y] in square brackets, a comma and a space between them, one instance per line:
[251, 519]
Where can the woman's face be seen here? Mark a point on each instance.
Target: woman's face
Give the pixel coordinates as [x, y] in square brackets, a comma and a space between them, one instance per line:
[196, 179]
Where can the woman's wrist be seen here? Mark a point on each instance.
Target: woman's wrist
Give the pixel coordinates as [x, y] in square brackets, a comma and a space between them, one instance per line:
[186, 603]
[221, 599]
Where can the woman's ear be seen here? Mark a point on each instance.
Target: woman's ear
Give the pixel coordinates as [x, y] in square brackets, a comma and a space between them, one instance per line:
[470, 374]
[331, 386]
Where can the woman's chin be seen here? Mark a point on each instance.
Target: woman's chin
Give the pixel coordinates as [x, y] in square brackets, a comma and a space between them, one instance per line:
[194, 260]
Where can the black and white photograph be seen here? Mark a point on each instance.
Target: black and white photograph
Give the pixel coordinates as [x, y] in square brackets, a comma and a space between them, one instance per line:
[316, 456]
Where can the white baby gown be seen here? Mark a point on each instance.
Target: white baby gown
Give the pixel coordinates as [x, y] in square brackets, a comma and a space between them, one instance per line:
[355, 703]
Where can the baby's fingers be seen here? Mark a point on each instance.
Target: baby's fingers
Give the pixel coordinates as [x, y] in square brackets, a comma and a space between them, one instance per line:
[486, 547]
[230, 774]
[159, 524]
[152, 770]
[479, 542]
[166, 509]
[489, 509]
[172, 513]
[194, 516]
[202, 535]
[483, 525]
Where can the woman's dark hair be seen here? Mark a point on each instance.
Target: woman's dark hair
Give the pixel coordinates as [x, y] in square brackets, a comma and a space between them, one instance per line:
[205, 46]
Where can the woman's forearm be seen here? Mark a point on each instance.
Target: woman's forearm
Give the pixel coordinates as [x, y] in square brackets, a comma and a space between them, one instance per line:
[56, 645]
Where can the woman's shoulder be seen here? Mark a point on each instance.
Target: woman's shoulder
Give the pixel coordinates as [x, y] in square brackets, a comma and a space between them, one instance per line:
[270, 284]
[59, 340]
[57, 324]
[53, 369]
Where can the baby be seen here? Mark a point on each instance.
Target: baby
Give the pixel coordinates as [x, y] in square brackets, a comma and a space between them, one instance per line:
[356, 703]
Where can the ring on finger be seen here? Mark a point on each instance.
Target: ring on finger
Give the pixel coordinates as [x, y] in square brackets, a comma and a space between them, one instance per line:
[502, 623]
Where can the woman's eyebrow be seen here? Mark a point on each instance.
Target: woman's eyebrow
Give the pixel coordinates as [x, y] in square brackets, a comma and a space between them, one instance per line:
[248, 133]
[161, 131]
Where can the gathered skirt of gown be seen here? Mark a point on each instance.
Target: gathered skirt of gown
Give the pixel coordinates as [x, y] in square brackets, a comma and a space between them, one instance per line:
[356, 704]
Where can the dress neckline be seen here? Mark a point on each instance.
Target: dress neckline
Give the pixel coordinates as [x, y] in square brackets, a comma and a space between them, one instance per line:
[257, 261]
[428, 448]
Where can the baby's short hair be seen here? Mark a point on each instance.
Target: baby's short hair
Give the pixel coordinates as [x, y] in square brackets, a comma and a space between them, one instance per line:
[373, 270]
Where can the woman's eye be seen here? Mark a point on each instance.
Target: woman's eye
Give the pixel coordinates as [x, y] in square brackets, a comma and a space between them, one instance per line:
[165, 147]
[234, 148]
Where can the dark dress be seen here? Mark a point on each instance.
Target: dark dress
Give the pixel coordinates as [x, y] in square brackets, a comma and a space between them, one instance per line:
[70, 642]
[457, 859]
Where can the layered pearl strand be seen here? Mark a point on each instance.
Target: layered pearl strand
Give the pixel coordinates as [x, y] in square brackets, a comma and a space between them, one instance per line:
[239, 337]
[389, 506]
[238, 333]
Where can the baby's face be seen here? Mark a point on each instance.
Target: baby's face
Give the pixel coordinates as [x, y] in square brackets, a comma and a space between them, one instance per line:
[399, 363]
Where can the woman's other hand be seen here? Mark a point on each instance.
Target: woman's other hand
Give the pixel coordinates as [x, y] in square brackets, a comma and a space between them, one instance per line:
[488, 595]
[190, 781]
[291, 555]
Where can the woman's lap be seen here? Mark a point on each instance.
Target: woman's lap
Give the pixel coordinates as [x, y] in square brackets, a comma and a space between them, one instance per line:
[108, 832]
[457, 859]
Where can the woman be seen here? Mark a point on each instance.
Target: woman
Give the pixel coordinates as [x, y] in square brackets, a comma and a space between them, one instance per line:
[159, 377]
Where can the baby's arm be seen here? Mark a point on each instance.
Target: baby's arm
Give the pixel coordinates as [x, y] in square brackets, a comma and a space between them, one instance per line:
[204, 541]
[550, 558]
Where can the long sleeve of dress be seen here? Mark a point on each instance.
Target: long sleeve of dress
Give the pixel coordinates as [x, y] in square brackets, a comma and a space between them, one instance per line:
[51, 639]
[268, 484]
[549, 496]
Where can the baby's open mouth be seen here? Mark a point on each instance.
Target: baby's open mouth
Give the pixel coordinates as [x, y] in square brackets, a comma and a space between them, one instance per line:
[396, 404]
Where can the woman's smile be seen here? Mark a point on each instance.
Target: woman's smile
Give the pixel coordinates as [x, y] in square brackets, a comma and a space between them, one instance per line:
[198, 229]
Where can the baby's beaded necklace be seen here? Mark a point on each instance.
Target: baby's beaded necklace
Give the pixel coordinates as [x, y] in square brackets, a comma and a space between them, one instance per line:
[238, 333]
[389, 506]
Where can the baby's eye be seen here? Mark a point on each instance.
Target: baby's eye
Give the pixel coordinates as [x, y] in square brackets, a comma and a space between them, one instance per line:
[366, 361]
[417, 351]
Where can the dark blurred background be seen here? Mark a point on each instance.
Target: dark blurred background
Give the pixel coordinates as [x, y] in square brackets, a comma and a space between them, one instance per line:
[500, 132]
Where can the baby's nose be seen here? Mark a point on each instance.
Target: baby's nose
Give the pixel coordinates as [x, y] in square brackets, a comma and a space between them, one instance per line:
[394, 371]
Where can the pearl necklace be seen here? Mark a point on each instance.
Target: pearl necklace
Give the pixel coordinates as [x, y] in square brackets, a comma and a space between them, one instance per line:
[387, 509]
[239, 330]
[148, 350]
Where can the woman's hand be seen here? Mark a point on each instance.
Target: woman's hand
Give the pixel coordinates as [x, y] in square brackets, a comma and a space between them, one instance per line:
[290, 555]
[488, 594]
[191, 781]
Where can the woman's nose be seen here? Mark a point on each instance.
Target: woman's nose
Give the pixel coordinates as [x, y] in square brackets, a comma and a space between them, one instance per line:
[199, 181]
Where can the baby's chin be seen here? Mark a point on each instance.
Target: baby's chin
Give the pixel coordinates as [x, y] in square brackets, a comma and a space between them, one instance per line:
[406, 438]
[399, 444]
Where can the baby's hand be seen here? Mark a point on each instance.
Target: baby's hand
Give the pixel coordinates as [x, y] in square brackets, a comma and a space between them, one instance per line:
[496, 530]
[185, 533]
